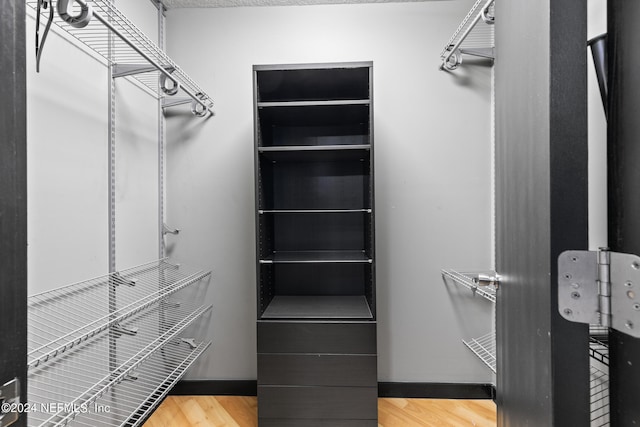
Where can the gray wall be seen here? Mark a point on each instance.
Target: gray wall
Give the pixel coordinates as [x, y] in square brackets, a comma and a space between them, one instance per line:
[67, 162]
[433, 183]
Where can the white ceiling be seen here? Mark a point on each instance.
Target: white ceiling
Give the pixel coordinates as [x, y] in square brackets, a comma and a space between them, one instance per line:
[239, 3]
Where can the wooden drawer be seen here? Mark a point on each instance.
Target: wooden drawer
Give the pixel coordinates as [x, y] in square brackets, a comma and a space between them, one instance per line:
[354, 403]
[317, 337]
[318, 370]
[275, 422]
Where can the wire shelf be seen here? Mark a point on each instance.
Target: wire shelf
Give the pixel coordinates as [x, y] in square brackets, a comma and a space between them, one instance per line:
[485, 348]
[130, 400]
[470, 37]
[599, 350]
[114, 50]
[111, 342]
[599, 380]
[65, 317]
[599, 397]
[467, 280]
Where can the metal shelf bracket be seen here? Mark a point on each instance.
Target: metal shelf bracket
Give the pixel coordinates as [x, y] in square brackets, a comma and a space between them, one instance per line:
[124, 70]
[484, 284]
[471, 38]
[167, 230]
[600, 287]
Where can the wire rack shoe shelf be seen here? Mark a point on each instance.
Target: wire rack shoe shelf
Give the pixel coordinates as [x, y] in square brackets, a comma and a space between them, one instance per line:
[472, 37]
[483, 347]
[106, 351]
[105, 30]
[469, 281]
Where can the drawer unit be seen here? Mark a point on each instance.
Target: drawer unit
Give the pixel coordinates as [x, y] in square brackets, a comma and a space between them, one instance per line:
[317, 370]
[299, 402]
[317, 337]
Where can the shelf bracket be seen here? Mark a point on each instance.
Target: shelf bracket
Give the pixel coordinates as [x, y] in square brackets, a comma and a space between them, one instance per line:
[119, 280]
[486, 280]
[167, 230]
[173, 102]
[484, 284]
[191, 342]
[123, 70]
[600, 288]
[483, 52]
[124, 330]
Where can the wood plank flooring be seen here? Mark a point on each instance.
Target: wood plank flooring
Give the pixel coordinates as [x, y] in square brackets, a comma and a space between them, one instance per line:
[237, 411]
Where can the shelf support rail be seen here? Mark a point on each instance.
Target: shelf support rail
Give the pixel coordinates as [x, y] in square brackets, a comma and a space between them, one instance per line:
[198, 106]
[451, 55]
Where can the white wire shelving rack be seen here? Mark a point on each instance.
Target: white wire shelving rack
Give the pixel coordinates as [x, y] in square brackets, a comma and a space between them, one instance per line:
[469, 281]
[474, 36]
[485, 348]
[106, 351]
[483, 284]
[114, 38]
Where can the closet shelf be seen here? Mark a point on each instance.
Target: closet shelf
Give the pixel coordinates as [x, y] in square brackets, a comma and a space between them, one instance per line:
[130, 52]
[62, 319]
[471, 37]
[316, 113]
[318, 153]
[311, 211]
[316, 257]
[469, 281]
[112, 342]
[318, 307]
[277, 104]
[599, 397]
[485, 348]
[81, 378]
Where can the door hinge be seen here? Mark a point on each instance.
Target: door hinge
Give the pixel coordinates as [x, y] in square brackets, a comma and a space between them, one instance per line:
[9, 402]
[600, 288]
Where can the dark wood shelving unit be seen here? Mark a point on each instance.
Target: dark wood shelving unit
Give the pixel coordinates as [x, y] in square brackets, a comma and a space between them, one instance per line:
[315, 251]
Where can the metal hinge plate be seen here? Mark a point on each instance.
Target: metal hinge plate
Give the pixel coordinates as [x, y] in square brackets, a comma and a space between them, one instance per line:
[9, 397]
[600, 288]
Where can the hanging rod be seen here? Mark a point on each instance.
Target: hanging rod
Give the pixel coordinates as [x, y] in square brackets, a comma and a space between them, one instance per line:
[481, 44]
[92, 26]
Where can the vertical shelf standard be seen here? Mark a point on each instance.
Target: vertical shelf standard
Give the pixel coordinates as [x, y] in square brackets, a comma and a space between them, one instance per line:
[316, 315]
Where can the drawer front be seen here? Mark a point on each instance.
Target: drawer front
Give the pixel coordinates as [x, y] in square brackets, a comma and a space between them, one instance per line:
[355, 403]
[318, 370]
[317, 337]
[275, 422]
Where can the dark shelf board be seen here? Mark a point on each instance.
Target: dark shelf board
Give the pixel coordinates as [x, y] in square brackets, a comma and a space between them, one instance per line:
[307, 82]
[313, 103]
[311, 211]
[315, 152]
[317, 257]
[305, 114]
[318, 307]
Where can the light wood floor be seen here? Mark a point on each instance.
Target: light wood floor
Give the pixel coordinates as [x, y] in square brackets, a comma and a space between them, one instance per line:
[232, 411]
